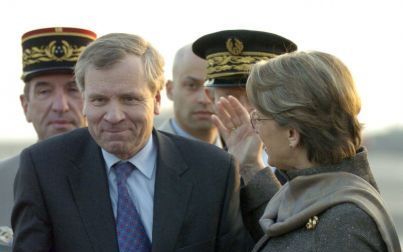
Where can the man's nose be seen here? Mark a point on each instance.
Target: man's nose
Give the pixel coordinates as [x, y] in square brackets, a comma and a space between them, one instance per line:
[205, 96]
[60, 102]
[114, 113]
[202, 96]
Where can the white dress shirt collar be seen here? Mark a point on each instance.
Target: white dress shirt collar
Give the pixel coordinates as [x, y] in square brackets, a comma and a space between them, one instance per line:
[141, 160]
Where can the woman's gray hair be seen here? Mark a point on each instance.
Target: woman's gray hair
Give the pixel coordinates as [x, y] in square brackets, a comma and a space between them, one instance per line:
[314, 93]
[107, 50]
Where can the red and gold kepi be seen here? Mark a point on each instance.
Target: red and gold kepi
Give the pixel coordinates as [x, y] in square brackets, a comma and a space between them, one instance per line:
[231, 53]
[53, 50]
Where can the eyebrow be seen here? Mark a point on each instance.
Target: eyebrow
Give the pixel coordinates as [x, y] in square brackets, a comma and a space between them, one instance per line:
[194, 78]
[92, 95]
[134, 94]
[40, 84]
[71, 83]
[44, 83]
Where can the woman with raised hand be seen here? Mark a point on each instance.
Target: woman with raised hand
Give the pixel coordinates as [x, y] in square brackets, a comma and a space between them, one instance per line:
[306, 116]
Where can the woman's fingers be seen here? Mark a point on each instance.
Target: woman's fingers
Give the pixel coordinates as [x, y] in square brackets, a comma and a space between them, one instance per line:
[225, 114]
[238, 110]
[220, 126]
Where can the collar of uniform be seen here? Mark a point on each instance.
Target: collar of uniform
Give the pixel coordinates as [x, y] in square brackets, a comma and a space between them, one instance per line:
[181, 132]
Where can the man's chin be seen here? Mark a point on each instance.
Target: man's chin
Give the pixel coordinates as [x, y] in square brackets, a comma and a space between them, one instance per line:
[203, 125]
[202, 117]
[118, 148]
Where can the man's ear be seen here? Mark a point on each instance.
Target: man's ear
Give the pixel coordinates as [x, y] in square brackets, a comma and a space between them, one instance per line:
[169, 89]
[294, 137]
[157, 103]
[24, 105]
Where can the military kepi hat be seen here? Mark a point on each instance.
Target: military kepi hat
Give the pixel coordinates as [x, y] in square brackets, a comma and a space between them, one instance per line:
[231, 53]
[53, 50]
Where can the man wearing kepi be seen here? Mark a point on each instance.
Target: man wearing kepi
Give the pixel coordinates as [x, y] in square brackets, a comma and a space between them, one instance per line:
[51, 100]
[230, 55]
[120, 185]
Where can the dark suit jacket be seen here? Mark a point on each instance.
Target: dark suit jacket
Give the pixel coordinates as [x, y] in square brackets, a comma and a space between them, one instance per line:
[62, 200]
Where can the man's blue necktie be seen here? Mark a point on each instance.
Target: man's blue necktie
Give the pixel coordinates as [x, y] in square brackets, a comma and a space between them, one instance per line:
[130, 230]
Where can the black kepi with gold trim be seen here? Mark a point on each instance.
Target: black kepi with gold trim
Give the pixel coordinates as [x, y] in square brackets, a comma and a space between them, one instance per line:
[231, 53]
[54, 50]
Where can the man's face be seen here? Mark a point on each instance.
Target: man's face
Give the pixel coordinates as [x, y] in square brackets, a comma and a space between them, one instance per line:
[192, 107]
[237, 92]
[120, 107]
[53, 105]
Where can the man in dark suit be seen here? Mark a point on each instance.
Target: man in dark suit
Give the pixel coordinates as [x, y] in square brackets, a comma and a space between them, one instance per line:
[120, 185]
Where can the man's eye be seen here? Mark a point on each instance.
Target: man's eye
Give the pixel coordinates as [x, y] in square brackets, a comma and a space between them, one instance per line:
[98, 101]
[192, 86]
[43, 92]
[73, 89]
[131, 100]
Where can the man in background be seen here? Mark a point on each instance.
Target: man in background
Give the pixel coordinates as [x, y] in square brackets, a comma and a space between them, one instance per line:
[230, 55]
[192, 108]
[51, 100]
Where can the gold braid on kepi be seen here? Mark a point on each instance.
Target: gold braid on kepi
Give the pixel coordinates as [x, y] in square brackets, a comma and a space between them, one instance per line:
[53, 50]
[231, 53]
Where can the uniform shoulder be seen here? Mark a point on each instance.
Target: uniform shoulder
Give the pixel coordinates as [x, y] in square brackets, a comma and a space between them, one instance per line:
[8, 168]
[9, 161]
[65, 140]
[72, 143]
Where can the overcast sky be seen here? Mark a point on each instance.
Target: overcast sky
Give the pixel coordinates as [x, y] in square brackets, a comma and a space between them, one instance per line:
[366, 35]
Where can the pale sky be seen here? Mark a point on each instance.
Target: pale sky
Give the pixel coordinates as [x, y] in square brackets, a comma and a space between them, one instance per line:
[366, 35]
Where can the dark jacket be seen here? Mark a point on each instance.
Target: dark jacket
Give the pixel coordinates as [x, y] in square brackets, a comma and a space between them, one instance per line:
[62, 198]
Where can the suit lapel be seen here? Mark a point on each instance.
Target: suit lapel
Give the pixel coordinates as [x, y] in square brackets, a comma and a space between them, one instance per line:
[172, 193]
[90, 189]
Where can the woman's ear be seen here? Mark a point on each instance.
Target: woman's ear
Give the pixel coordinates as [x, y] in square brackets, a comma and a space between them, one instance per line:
[294, 137]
